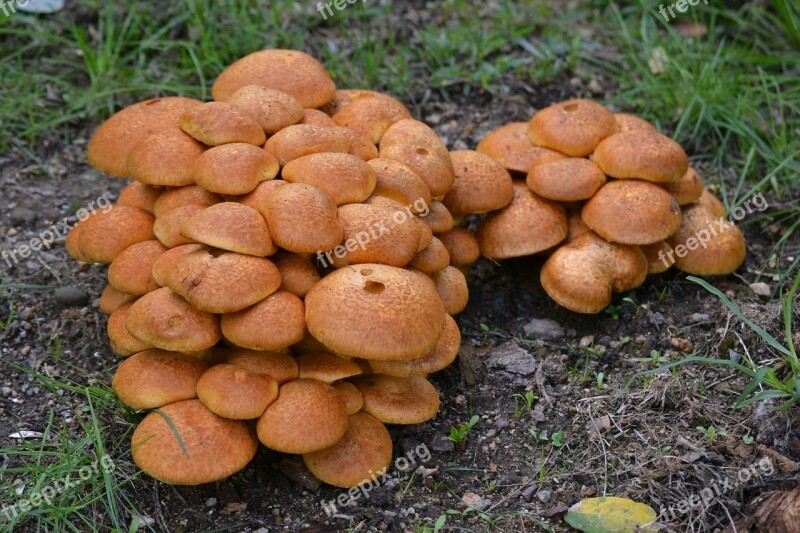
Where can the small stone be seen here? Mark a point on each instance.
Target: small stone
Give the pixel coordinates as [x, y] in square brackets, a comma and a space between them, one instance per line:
[655, 318]
[501, 423]
[22, 215]
[71, 296]
[475, 501]
[761, 289]
[25, 351]
[698, 317]
[544, 495]
[684, 345]
[586, 341]
[211, 502]
[544, 329]
[527, 492]
[441, 443]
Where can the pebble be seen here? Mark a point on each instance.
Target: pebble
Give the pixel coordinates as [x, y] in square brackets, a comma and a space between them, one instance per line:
[544, 329]
[441, 444]
[699, 317]
[586, 341]
[684, 345]
[22, 215]
[527, 493]
[761, 289]
[211, 502]
[501, 423]
[71, 296]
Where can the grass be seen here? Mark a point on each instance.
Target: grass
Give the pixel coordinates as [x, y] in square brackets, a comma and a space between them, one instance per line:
[731, 98]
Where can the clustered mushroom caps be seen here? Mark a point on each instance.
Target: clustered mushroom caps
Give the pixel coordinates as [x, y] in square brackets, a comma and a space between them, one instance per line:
[607, 199]
[283, 269]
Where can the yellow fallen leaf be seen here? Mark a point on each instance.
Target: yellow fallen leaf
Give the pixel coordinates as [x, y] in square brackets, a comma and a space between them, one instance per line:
[610, 514]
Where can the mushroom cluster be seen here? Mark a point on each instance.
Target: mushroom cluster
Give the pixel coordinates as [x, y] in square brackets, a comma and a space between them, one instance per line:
[284, 268]
[608, 200]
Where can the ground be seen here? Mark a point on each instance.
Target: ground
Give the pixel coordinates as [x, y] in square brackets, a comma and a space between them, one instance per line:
[558, 420]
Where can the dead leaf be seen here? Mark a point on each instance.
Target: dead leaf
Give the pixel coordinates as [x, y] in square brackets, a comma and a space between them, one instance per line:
[600, 424]
[610, 514]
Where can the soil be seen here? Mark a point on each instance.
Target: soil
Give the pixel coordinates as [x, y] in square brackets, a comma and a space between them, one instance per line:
[639, 442]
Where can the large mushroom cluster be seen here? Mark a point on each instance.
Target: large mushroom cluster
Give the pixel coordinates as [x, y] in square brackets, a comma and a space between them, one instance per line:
[283, 269]
[608, 200]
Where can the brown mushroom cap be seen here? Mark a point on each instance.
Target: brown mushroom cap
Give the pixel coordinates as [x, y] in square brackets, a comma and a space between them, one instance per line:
[105, 234]
[111, 299]
[529, 224]
[566, 180]
[346, 178]
[360, 145]
[112, 142]
[165, 262]
[182, 196]
[295, 73]
[167, 227]
[436, 171]
[223, 282]
[345, 97]
[235, 168]
[236, 393]
[686, 190]
[304, 139]
[417, 133]
[326, 367]
[712, 204]
[230, 226]
[165, 158]
[438, 219]
[165, 320]
[573, 127]
[575, 225]
[317, 118]
[298, 274]
[256, 198]
[462, 247]
[131, 271]
[628, 122]
[275, 322]
[399, 183]
[302, 218]
[639, 154]
[374, 235]
[186, 444]
[451, 284]
[71, 244]
[273, 110]
[511, 146]
[707, 245]
[396, 400]
[122, 342]
[582, 274]
[280, 366]
[399, 314]
[307, 416]
[437, 359]
[362, 455]
[372, 116]
[215, 123]
[154, 378]
[433, 258]
[654, 254]
[139, 195]
[350, 396]
[481, 184]
[632, 212]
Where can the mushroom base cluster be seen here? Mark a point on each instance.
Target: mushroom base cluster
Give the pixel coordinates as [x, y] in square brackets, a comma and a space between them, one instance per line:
[607, 199]
[284, 268]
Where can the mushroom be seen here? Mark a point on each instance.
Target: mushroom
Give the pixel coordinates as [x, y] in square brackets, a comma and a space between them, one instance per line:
[105, 234]
[216, 123]
[632, 212]
[154, 378]
[186, 444]
[273, 323]
[280, 366]
[272, 110]
[566, 180]
[451, 284]
[316, 118]
[230, 226]
[439, 218]
[398, 182]
[363, 454]
[628, 122]
[165, 263]
[298, 274]
[182, 196]
[462, 247]
[712, 204]
[481, 184]
[295, 73]
[350, 396]
[234, 169]
[112, 142]
[346, 178]
[372, 116]
[705, 244]
[529, 224]
[326, 367]
[436, 171]
[434, 258]
[308, 416]
[123, 343]
[398, 400]
[512, 148]
[167, 227]
[686, 190]
[139, 195]
[165, 158]
[304, 139]
[573, 127]
[165, 320]
[131, 271]
[223, 282]
[111, 299]
[233, 392]
[641, 154]
[399, 314]
[437, 359]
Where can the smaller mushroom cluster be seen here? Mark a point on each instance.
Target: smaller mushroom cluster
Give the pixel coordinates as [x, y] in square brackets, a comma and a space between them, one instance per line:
[608, 200]
[284, 268]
